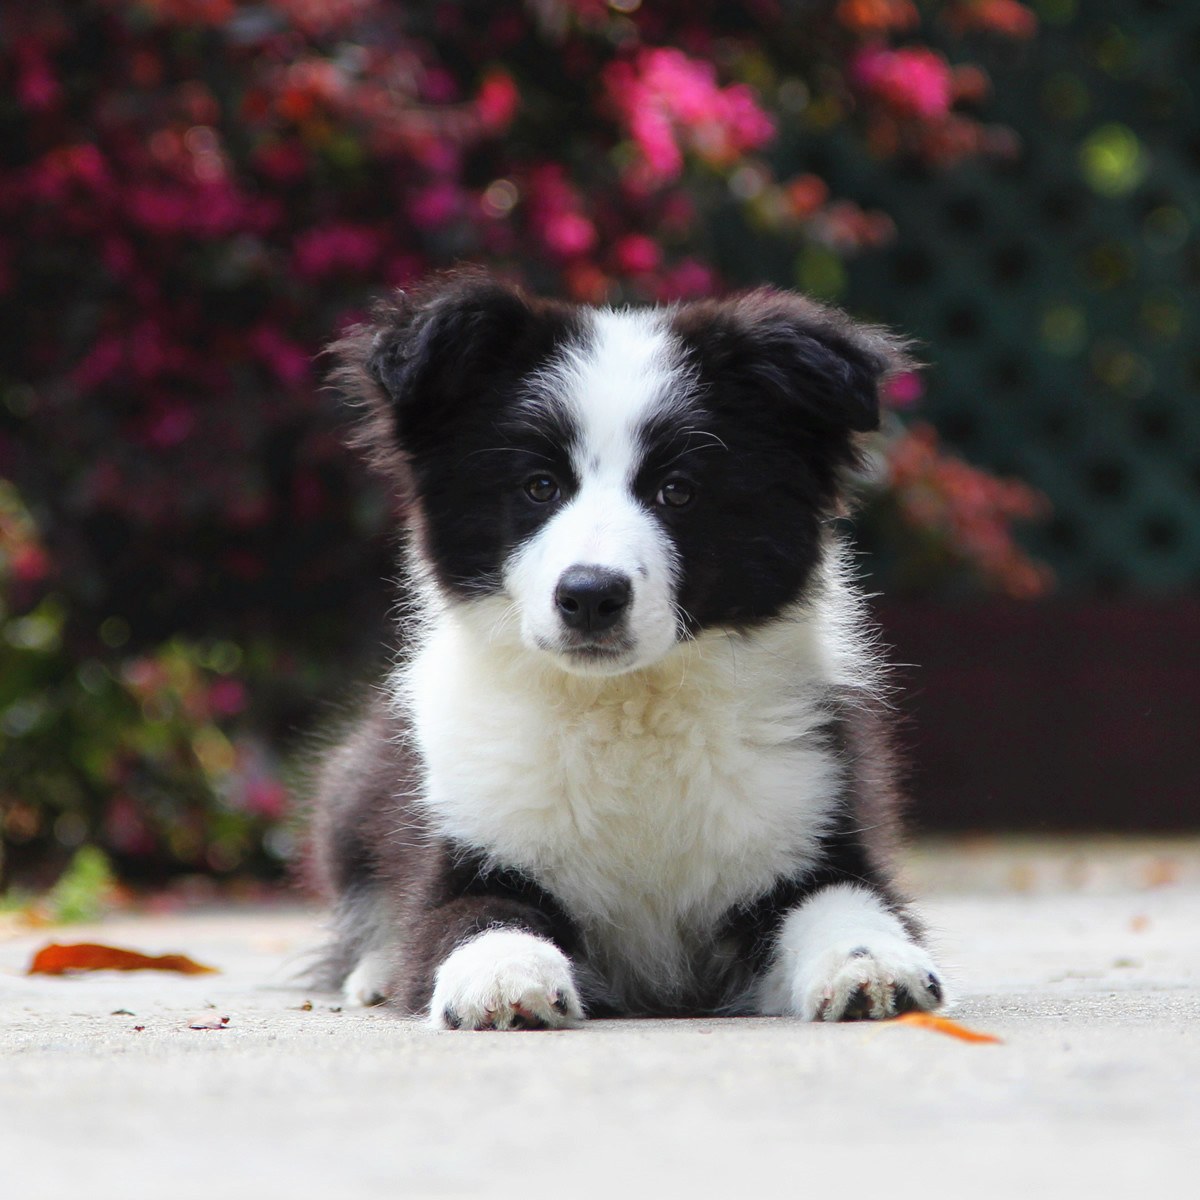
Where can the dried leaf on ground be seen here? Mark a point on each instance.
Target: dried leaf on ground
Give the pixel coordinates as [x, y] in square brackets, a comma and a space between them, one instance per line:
[944, 1025]
[91, 956]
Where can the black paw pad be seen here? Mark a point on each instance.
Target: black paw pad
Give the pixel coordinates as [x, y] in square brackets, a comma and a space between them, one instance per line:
[522, 1018]
[451, 1018]
[933, 985]
[858, 1007]
[561, 1004]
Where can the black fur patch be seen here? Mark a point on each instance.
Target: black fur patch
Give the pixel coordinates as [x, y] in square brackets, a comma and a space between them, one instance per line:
[782, 387]
[440, 375]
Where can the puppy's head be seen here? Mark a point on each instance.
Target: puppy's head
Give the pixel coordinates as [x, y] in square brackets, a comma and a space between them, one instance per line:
[621, 480]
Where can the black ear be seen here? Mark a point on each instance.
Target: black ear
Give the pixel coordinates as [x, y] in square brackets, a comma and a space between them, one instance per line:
[810, 359]
[424, 359]
[428, 352]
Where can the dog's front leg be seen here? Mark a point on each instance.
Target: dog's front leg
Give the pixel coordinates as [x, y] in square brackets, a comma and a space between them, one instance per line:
[843, 955]
[496, 965]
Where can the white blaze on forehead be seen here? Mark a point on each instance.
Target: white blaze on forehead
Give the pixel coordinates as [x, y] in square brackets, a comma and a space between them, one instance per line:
[624, 373]
[611, 384]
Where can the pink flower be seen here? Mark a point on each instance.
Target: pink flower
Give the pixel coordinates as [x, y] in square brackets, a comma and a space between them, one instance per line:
[67, 171]
[687, 280]
[267, 798]
[903, 390]
[226, 697]
[328, 250]
[655, 138]
[29, 563]
[169, 426]
[37, 88]
[569, 234]
[158, 209]
[498, 101]
[288, 361]
[438, 86]
[669, 102]
[316, 17]
[436, 206]
[556, 212]
[638, 254]
[282, 162]
[914, 81]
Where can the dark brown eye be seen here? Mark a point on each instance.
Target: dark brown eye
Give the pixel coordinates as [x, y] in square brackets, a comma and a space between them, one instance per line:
[542, 488]
[675, 493]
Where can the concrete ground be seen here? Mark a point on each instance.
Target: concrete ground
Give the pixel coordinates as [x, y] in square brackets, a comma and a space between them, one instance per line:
[1083, 957]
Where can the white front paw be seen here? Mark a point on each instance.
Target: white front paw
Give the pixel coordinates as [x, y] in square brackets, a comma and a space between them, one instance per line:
[881, 978]
[367, 984]
[505, 979]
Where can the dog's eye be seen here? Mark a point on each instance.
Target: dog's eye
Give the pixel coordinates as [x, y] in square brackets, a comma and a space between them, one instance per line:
[675, 493]
[542, 488]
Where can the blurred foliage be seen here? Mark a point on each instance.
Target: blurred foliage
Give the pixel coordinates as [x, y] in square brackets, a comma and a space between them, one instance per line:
[1054, 288]
[196, 194]
[85, 891]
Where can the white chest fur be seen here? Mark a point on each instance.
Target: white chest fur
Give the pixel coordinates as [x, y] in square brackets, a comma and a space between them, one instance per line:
[647, 803]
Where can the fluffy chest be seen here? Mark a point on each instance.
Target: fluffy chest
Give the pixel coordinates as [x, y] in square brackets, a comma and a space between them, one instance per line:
[648, 804]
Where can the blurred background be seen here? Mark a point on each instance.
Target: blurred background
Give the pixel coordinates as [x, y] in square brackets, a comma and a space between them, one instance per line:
[197, 195]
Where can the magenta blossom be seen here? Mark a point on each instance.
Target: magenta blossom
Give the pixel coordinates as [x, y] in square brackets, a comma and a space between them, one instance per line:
[669, 103]
[637, 254]
[913, 81]
[335, 249]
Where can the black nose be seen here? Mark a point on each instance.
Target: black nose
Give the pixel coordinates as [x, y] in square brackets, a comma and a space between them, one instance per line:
[591, 599]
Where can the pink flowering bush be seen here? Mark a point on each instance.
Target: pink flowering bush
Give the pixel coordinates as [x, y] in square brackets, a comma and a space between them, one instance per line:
[667, 103]
[195, 195]
[942, 502]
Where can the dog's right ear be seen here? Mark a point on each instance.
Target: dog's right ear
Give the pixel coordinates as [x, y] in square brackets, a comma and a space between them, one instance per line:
[423, 358]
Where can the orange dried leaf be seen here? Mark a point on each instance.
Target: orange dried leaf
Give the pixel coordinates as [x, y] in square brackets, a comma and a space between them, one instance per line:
[90, 956]
[944, 1025]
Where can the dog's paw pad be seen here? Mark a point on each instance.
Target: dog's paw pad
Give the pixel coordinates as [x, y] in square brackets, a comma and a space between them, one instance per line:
[505, 979]
[872, 983]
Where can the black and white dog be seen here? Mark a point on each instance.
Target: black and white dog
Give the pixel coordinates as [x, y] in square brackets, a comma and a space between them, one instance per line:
[631, 761]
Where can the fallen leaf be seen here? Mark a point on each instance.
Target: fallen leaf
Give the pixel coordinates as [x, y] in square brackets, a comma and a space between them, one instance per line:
[1160, 872]
[90, 956]
[944, 1025]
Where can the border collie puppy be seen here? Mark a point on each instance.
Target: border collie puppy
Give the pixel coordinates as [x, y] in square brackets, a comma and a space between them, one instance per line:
[631, 760]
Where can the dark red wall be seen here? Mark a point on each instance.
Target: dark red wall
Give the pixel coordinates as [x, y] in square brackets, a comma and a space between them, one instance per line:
[1050, 716]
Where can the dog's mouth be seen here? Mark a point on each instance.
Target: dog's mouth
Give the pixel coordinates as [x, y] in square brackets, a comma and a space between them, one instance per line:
[597, 651]
[588, 654]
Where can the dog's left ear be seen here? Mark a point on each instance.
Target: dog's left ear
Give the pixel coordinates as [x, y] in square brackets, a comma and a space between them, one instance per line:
[812, 359]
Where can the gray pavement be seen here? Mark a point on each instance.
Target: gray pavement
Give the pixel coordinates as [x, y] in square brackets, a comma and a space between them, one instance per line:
[1083, 957]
